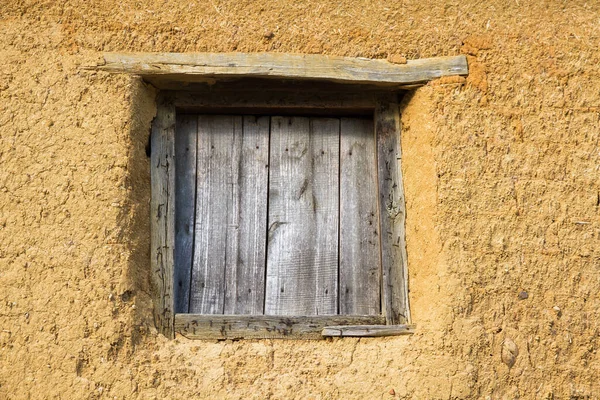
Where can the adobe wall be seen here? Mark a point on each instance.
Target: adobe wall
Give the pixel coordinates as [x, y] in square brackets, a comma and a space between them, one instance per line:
[503, 191]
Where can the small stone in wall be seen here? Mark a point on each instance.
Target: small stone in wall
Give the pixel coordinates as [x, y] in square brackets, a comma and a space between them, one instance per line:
[523, 295]
[558, 311]
[509, 352]
[396, 59]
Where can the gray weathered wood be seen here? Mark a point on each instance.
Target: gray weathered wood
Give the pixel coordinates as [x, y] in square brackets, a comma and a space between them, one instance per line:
[217, 178]
[273, 102]
[392, 213]
[247, 227]
[360, 269]
[284, 87]
[210, 66]
[185, 204]
[162, 212]
[302, 260]
[367, 330]
[261, 327]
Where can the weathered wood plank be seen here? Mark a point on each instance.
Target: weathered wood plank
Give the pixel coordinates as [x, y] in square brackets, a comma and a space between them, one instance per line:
[217, 178]
[367, 330]
[185, 205]
[302, 259]
[274, 102]
[285, 87]
[392, 213]
[247, 228]
[162, 209]
[207, 66]
[263, 327]
[360, 270]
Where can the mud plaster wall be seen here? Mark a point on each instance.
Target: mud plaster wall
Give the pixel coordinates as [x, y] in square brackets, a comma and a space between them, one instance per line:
[502, 184]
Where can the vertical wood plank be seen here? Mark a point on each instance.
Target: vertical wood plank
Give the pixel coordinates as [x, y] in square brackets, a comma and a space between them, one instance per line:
[162, 209]
[360, 270]
[392, 213]
[302, 259]
[247, 227]
[185, 205]
[217, 171]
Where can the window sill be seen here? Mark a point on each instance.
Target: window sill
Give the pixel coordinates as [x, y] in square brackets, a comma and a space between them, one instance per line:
[220, 327]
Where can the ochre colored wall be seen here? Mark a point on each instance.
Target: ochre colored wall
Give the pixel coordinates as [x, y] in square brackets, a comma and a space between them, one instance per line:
[501, 175]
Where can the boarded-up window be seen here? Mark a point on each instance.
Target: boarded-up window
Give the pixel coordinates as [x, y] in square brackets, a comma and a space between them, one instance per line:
[276, 215]
[282, 217]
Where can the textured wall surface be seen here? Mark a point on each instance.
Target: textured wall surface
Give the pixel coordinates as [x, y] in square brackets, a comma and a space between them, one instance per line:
[502, 175]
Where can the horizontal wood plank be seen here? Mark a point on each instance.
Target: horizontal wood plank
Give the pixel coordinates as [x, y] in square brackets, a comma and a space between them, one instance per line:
[275, 102]
[367, 330]
[211, 66]
[195, 326]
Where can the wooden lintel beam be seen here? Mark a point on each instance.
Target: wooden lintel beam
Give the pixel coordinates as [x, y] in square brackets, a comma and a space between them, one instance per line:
[198, 67]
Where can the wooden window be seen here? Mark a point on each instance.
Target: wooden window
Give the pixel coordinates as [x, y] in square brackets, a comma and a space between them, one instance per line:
[278, 211]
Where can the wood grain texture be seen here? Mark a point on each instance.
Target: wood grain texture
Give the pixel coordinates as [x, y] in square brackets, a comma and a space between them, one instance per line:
[367, 330]
[217, 187]
[263, 327]
[360, 270]
[247, 227]
[185, 205]
[199, 66]
[268, 102]
[302, 260]
[162, 212]
[392, 213]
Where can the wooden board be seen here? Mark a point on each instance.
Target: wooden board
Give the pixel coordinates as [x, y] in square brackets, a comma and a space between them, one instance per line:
[392, 213]
[230, 231]
[247, 228]
[162, 214]
[367, 330]
[185, 205]
[360, 270]
[211, 66]
[263, 327]
[302, 260]
[295, 100]
[217, 173]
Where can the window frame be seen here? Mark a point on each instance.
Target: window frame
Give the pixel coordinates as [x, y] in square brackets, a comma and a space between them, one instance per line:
[313, 99]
